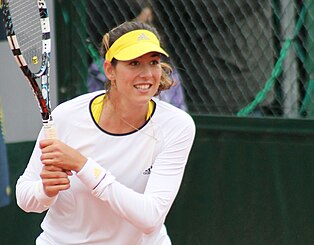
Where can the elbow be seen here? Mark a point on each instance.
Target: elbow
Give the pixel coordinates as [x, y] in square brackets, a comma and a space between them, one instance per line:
[155, 218]
[28, 203]
[151, 227]
[19, 196]
[19, 201]
[153, 223]
[22, 204]
[28, 207]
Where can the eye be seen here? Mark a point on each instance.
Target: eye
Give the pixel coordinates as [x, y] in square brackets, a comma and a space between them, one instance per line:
[134, 63]
[155, 62]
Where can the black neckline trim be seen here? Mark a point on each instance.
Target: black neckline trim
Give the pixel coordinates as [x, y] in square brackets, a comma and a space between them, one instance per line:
[113, 134]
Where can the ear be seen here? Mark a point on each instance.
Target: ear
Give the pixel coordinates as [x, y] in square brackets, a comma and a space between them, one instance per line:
[109, 71]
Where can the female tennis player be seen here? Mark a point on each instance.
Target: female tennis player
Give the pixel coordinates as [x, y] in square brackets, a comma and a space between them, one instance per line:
[117, 165]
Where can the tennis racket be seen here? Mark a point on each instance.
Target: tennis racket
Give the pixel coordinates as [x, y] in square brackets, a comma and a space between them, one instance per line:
[28, 33]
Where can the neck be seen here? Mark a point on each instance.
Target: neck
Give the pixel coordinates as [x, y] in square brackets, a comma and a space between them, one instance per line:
[120, 118]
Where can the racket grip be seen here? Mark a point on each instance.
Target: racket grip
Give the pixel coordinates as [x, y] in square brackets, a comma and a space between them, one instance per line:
[50, 130]
[51, 133]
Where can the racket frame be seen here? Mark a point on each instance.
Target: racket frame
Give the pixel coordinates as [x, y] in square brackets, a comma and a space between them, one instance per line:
[41, 92]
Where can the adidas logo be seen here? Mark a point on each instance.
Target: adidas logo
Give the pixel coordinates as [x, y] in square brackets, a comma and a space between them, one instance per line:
[97, 172]
[147, 171]
[142, 37]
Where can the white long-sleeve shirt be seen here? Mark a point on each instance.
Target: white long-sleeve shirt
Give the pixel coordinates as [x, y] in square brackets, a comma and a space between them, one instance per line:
[143, 169]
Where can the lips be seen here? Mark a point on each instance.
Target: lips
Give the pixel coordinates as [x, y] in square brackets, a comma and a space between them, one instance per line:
[143, 86]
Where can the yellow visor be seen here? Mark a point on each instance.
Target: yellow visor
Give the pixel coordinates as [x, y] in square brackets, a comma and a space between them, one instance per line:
[134, 44]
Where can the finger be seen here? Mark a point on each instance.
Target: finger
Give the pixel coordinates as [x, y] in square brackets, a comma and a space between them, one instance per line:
[45, 142]
[47, 169]
[55, 181]
[52, 168]
[68, 172]
[51, 159]
[54, 190]
[47, 155]
[53, 174]
[50, 162]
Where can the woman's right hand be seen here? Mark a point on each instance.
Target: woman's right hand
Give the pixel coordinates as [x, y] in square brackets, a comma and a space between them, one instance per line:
[54, 179]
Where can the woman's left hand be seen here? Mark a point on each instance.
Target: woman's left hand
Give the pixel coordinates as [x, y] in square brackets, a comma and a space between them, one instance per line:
[58, 154]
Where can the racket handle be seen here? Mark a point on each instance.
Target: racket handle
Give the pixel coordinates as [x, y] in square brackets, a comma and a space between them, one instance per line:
[51, 133]
[50, 130]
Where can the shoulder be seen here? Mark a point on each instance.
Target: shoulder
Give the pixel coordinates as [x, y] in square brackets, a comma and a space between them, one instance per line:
[173, 119]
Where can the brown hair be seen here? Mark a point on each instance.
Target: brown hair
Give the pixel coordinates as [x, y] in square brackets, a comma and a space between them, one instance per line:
[109, 38]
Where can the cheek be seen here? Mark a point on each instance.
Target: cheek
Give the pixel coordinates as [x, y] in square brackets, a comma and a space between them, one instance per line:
[124, 78]
[157, 75]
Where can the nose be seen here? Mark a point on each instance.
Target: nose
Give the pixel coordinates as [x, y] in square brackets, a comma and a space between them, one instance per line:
[146, 71]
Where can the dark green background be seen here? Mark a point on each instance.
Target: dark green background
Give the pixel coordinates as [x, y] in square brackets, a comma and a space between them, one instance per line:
[248, 181]
[2, 31]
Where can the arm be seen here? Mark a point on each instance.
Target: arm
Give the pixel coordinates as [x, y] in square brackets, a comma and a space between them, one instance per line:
[37, 189]
[30, 195]
[148, 211]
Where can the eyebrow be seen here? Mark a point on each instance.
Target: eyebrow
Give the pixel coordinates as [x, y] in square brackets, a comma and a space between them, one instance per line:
[155, 54]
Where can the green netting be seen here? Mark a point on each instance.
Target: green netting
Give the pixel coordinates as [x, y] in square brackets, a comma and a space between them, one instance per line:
[240, 58]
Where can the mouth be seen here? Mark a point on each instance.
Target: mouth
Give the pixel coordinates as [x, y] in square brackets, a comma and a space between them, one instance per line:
[143, 86]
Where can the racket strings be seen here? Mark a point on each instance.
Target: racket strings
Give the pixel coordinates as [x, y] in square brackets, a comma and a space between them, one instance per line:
[27, 27]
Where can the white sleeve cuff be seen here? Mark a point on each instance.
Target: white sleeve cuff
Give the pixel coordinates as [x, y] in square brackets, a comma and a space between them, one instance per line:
[92, 174]
[41, 196]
